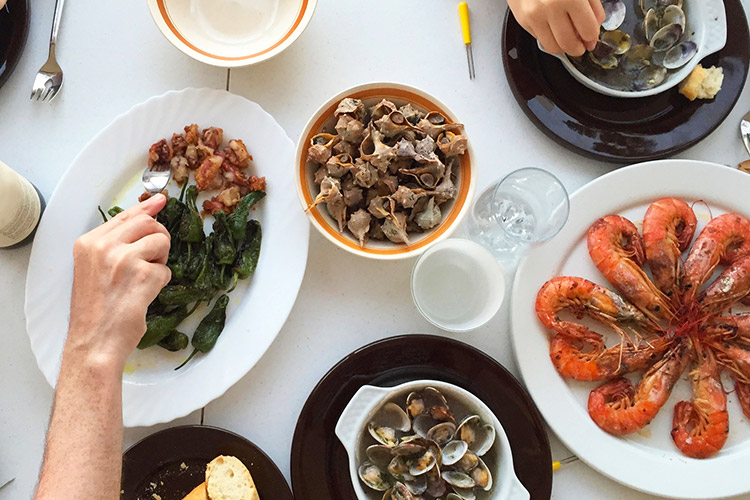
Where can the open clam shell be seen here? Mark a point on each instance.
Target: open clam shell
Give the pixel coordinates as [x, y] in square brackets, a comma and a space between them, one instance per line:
[468, 462]
[651, 24]
[387, 422]
[679, 55]
[380, 455]
[649, 77]
[604, 55]
[637, 58]
[442, 432]
[673, 15]
[479, 436]
[667, 37]
[422, 463]
[374, 477]
[454, 451]
[458, 479]
[482, 476]
[619, 40]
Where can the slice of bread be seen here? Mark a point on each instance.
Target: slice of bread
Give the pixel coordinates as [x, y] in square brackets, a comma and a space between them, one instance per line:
[227, 478]
[199, 493]
[702, 83]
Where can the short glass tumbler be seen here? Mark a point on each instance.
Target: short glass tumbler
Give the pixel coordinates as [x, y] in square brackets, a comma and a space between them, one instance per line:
[528, 206]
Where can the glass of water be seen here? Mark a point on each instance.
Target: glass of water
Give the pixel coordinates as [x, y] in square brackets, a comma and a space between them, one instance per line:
[528, 206]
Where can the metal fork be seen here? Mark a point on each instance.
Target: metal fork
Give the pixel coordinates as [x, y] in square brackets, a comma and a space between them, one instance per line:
[49, 80]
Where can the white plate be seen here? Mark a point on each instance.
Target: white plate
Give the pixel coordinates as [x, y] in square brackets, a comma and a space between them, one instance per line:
[107, 172]
[647, 461]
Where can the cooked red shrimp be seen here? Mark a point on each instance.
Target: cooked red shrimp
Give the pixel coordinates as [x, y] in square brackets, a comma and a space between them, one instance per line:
[725, 239]
[742, 389]
[668, 229]
[700, 426]
[588, 360]
[732, 285]
[618, 252]
[618, 408]
[583, 298]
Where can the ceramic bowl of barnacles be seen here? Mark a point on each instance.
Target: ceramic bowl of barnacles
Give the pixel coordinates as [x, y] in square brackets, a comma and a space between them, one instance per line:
[426, 440]
[649, 46]
[384, 170]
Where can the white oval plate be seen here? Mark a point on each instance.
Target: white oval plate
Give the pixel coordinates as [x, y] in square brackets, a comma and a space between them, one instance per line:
[107, 172]
[647, 461]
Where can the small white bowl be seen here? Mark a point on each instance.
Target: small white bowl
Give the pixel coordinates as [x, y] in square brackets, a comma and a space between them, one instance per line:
[457, 285]
[707, 21]
[352, 428]
[453, 210]
[231, 33]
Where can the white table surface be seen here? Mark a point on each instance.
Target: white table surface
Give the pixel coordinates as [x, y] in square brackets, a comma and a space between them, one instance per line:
[114, 57]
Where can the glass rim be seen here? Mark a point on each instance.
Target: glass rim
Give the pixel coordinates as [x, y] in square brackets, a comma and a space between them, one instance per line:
[559, 183]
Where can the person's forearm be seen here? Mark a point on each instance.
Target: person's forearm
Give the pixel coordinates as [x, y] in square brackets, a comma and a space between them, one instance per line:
[84, 441]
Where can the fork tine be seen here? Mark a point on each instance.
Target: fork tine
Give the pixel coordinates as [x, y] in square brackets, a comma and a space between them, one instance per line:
[49, 94]
[34, 93]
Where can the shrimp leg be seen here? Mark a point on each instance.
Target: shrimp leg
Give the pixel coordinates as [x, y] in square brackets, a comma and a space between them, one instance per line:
[618, 408]
[700, 427]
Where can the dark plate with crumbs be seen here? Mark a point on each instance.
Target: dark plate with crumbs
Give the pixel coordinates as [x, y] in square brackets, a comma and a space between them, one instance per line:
[14, 29]
[320, 465]
[170, 463]
[621, 130]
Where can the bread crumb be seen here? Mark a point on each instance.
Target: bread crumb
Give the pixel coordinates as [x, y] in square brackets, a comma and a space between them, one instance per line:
[702, 83]
[183, 466]
[744, 166]
[156, 497]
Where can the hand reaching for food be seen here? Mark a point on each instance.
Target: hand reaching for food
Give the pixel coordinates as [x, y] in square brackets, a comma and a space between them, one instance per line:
[570, 26]
[120, 267]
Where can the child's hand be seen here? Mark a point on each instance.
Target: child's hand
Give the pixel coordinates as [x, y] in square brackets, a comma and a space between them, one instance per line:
[570, 26]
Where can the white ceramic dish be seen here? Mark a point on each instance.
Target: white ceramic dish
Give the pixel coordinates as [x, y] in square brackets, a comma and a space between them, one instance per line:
[453, 211]
[231, 33]
[706, 19]
[648, 460]
[152, 391]
[352, 426]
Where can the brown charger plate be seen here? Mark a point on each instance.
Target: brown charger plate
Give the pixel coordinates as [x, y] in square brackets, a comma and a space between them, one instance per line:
[615, 129]
[14, 29]
[158, 459]
[320, 465]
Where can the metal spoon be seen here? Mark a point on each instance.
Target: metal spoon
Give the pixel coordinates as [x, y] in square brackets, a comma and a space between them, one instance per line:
[156, 177]
[745, 131]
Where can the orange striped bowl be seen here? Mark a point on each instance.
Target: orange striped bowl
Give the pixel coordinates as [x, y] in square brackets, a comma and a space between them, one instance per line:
[453, 211]
[228, 33]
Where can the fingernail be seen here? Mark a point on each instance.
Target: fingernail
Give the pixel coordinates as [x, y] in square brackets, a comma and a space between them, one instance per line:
[154, 200]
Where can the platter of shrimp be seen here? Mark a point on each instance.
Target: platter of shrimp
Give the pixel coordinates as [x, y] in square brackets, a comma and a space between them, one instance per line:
[631, 332]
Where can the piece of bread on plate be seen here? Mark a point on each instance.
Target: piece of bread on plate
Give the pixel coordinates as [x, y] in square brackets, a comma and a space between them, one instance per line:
[227, 478]
[702, 83]
[198, 493]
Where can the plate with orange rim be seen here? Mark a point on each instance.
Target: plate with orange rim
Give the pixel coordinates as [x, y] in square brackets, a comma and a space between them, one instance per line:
[647, 460]
[229, 33]
[453, 211]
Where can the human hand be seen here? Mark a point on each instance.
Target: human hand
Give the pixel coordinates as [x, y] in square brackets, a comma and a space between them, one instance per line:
[570, 26]
[120, 267]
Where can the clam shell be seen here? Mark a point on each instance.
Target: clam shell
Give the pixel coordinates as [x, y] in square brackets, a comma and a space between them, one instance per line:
[422, 463]
[637, 58]
[418, 485]
[465, 493]
[673, 15]
[666, 37]
[400, 492]
[479, 436]
[373, 477]
[614, 14]
[649, 77]
[423, 423]
[380, 455]
[482, 476]
[617, 39]
[442, 432]
[458, 479]
[454, 451]
[384, 425]
[679, 55]
[651, 24]
[468, 462]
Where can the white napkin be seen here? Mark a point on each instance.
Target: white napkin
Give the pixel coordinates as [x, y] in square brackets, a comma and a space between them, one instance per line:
[6, 469]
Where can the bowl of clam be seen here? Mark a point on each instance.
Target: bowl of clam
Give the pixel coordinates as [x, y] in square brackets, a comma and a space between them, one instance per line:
[384, 170]
[426, 440]
[646, 47]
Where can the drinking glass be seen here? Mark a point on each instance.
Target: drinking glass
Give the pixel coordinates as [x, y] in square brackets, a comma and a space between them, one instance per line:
[528, 206]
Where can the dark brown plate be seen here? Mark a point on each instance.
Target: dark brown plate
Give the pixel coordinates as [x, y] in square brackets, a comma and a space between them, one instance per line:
[621, 130]
[14, 29]
[154, 464]
[320, 465]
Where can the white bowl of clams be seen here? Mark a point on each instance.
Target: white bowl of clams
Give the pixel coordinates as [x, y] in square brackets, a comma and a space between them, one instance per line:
[648, 46]
[425, 440]
[384, 170]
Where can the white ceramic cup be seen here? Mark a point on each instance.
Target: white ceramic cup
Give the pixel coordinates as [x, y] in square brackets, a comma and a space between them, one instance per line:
[457, 285]
[352, 427]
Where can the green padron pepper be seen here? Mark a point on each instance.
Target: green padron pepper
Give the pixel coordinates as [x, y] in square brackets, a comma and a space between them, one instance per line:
[194, 264]
[250, 253]
[238, 219]
[209, 329]
[180, 295]
[170, 215]
[114, 211]
[174, 341]
[224, 249]
[191, 224]
[159, 326]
